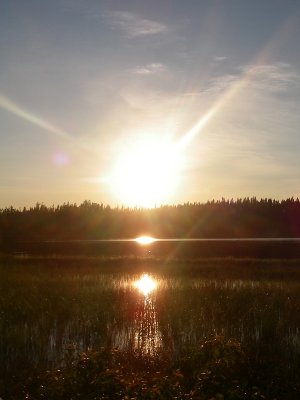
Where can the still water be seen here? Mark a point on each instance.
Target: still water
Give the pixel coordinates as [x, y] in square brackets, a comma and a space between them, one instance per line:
[268, 248]
[144, 314]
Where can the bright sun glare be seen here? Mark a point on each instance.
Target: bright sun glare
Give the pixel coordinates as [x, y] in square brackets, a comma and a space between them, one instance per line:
[145, 239]
[146, 173]
[145, 284]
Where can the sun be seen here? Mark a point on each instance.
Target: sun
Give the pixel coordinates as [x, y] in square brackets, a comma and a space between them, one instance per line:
[144, 240]
[145, 174]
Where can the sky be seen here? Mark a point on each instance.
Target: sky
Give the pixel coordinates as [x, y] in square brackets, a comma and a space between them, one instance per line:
[143, 103]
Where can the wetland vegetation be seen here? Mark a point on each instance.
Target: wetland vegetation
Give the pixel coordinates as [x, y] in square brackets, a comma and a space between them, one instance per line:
[80, 328]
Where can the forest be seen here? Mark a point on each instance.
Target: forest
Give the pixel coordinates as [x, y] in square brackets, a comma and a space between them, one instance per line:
[241, 218]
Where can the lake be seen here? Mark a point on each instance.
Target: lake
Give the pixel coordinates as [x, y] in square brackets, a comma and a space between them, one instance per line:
[268, 248]
[145, 309]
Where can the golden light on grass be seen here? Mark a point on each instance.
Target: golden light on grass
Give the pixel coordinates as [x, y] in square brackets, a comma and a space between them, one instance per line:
[145, 240]
[146, 284]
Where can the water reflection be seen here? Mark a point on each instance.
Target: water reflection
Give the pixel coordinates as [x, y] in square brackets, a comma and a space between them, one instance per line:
[144, 240]
[147, 340]
[142, 314]
[146, 284]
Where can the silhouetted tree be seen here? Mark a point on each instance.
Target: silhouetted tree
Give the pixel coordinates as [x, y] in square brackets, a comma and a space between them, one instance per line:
[241, 218]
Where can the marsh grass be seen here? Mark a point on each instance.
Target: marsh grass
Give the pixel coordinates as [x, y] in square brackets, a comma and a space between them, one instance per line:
[67, 315]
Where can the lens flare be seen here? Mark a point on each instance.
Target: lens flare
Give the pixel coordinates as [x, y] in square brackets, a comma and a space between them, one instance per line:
[12, 107]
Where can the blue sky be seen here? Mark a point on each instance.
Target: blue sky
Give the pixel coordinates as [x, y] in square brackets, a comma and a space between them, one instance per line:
[148, 102]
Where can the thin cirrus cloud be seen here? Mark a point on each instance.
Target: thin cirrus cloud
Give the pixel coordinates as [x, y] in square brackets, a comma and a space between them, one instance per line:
[220, 58]
[149, 69]
[275, 77]
[268, 77]
[132, 25]
[249, 97]
[264, 78]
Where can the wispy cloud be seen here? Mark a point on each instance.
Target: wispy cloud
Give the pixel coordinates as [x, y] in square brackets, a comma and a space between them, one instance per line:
[276, 77]
[222, 83]
[220, 58]
[273, 77]
[149, 69]
[133, 25]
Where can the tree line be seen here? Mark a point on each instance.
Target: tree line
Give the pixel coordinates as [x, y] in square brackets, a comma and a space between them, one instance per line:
[240, 218]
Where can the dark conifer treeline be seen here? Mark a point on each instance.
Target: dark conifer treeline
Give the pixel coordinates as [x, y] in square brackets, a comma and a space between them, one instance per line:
[240, 218]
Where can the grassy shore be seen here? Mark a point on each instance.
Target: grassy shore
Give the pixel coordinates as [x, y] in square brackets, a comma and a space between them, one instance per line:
[224, 328]
[217, 267]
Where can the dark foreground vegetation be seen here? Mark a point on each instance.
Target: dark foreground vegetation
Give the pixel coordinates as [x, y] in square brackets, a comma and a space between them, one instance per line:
[227, 329]
[240, 218]
[214, 369]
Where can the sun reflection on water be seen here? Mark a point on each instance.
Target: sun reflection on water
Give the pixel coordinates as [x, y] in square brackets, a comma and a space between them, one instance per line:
[147, 339]
[146, 284]
[145, 240]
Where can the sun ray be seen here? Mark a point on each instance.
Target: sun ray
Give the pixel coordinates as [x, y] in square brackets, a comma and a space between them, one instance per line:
[20, 112]
[280, 37]
[15, 109]
[189, 135]
[146, 174]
